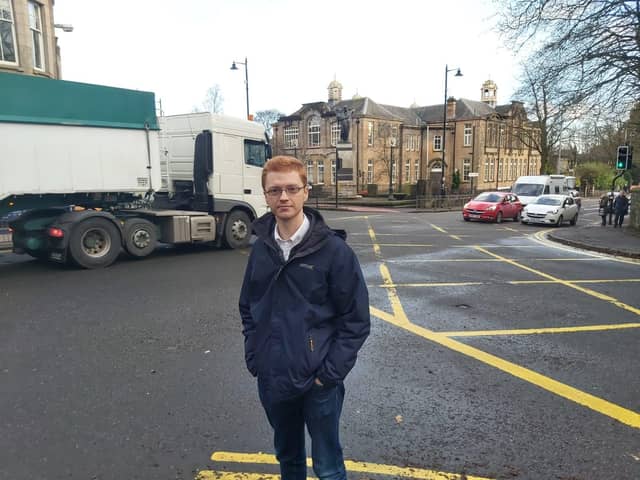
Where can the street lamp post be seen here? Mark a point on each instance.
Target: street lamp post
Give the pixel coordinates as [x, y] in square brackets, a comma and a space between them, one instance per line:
[498, 163]
[391, 171]
[246, 79]
[444, 124]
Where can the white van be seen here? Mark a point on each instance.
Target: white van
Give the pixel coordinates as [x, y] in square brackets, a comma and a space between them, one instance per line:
[530, 187]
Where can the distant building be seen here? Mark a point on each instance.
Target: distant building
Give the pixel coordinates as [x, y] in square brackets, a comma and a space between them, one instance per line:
[406, 143]
[28, 43]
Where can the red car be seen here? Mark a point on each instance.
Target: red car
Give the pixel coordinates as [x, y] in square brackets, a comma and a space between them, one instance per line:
[493, 206]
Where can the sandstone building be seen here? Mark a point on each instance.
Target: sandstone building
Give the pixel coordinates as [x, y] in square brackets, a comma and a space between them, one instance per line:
[404, 145]
[28, 44]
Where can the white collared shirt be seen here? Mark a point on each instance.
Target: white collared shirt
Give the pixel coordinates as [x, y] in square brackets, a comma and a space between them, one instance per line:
[287, 245]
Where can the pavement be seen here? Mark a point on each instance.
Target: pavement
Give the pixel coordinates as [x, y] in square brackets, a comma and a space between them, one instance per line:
[623, 242]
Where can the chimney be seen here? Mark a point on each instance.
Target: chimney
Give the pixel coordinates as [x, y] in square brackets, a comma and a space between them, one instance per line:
[451, 107]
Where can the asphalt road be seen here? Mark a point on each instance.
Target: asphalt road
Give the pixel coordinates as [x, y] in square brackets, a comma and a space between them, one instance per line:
[493, 355]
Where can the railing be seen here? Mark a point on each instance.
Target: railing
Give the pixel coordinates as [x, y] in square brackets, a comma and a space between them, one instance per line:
[5, 235]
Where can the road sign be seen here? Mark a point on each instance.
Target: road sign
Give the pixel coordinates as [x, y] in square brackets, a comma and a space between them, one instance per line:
[474, 174]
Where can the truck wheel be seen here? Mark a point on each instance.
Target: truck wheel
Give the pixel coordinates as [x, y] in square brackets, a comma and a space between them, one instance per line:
[237, 230]
[140, 238]
[95, 243]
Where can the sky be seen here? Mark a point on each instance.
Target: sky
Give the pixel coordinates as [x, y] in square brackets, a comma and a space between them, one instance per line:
[392, 52]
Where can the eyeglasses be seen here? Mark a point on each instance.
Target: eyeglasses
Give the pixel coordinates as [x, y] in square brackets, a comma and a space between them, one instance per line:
[276, 192]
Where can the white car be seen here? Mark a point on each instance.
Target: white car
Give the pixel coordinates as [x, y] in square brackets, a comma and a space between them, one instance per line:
[551, 210]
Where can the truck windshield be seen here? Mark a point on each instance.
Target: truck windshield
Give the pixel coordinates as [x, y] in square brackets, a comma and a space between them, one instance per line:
[528, 189]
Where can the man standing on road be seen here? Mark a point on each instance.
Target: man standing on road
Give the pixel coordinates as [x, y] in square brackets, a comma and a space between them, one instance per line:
[305, 314]
[621, 205]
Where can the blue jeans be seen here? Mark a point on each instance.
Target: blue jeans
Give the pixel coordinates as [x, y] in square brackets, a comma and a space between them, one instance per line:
[319, 409]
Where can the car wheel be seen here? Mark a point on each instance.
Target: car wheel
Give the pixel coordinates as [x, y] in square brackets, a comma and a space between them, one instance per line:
[574, 220]
[499, 217]
[517, 217]
[560, 220]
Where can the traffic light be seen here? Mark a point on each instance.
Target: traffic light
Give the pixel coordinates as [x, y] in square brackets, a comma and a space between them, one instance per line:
[622, 158]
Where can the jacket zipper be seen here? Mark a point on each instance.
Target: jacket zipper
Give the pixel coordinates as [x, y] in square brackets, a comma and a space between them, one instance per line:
[310, 343]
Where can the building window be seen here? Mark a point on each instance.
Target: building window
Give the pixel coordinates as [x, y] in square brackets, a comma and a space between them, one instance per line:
[333, 171]
[35, 24]
[437, 142]
[417, 171]
[407, 171]
[466, 169]
[314, 132]
[291, 137]
[7, 33]
[492, 169]
[369, 171]
[370, 133]
[335, 133]
[320, 171]
[310, 171]
[487, 175]
[467, 134]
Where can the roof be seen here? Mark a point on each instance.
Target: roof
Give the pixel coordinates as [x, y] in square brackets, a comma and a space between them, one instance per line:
[366, 107]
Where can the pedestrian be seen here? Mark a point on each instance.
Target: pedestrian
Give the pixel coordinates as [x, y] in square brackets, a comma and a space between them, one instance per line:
[603, 208]
[610, 206]
[305, 315]
[621, 207]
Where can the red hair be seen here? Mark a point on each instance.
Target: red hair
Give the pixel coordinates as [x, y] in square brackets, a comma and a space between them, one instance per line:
[283, 163]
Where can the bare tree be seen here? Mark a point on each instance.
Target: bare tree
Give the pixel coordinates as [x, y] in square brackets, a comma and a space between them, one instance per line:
[213, 100]
[268, 118]
[591, 47]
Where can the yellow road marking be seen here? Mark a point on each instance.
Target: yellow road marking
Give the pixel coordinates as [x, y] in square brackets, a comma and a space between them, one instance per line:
[399, 318]
[623, 415]
[510, 282]
[534, 331]
[442, 230]
[434, 284]
[607, 280]
[362, 467]
[394, 244]
[568, 283]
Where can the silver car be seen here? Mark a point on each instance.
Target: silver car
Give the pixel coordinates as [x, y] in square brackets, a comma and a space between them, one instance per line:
[551, 210]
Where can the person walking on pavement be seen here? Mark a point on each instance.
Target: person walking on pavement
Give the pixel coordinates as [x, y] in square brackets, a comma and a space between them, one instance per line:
[603, 208]
[621, 207]
[610, 206]
[305, 315]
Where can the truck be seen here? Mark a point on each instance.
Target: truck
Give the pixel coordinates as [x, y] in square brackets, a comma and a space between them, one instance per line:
[95, 172]
[528, 188]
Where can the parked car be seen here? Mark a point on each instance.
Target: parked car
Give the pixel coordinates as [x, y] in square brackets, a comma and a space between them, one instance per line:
[551, 210]
[493, 207]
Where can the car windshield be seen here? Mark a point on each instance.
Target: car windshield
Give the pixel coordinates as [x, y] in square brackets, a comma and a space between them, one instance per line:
[488, 197]
[547, 201]
[528, 189]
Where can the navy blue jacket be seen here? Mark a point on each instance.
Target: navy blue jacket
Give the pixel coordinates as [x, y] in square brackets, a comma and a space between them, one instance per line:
[306, 317]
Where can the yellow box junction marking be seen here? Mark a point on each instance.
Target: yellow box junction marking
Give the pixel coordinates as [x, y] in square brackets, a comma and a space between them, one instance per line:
[399, 318]
[351, 466]
[455, 237]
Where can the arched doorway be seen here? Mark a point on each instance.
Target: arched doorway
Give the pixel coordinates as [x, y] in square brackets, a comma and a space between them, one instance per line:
[435, 177]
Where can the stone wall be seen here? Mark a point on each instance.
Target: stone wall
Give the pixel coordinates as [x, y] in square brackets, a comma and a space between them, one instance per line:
[634, 209]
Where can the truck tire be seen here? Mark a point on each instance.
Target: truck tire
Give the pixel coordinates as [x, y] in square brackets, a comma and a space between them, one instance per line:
[95, 243]
[237, 230]
[140, 237]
